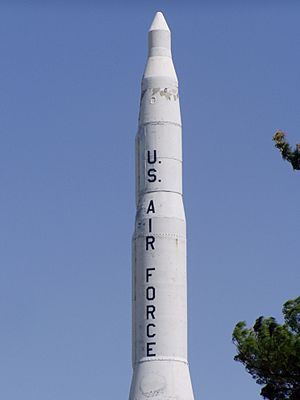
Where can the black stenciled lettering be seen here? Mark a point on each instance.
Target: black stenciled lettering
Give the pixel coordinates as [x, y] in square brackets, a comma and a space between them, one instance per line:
[150, 225]
[150, 349]
[152, 335]
[148, 273]
[151, 207]
[150, 242]
[150, 293]
[153, 161]
[151, 175]
[150, 310]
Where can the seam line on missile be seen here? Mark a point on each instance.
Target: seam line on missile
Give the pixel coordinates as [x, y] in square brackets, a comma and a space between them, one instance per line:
[169, 158]
[162, 359]
[139, 219]
[163, 217]
[160, 123]
[159, 191]
[170, 235]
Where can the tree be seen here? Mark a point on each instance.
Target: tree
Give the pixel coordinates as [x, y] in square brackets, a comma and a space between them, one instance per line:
[287, 153]
[270, 352]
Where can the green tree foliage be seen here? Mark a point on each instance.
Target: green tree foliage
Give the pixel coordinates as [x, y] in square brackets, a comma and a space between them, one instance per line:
[288, 154]
[270, 352]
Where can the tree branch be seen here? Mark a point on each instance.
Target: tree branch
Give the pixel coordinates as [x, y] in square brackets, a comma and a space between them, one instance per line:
[287, 153]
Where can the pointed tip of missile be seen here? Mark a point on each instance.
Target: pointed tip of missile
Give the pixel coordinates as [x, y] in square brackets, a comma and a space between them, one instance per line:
[159, 45]
[159, 23]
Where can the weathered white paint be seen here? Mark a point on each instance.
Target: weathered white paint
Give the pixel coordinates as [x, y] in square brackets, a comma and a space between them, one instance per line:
[159, 303]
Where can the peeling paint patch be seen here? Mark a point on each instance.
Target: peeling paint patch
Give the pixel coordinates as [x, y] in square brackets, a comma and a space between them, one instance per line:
[169, 94]
[152, 385]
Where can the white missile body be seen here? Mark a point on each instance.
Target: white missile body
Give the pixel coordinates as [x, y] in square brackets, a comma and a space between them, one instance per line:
[159, 303]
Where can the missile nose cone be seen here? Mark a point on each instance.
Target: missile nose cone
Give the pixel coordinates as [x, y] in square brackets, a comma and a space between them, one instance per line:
[159, 61]
[159, 37]
[159, 23]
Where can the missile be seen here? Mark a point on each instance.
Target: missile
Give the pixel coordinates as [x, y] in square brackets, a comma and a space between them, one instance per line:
[159, 287]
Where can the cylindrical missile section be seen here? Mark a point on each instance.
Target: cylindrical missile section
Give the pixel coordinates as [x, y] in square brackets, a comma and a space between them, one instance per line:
[159, 303]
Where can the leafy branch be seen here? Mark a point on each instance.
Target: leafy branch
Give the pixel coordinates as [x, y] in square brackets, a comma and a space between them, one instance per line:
[287, 153]
[270, 352]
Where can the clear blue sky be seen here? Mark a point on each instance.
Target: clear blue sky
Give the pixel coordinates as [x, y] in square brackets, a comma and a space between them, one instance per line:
[70, 76]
